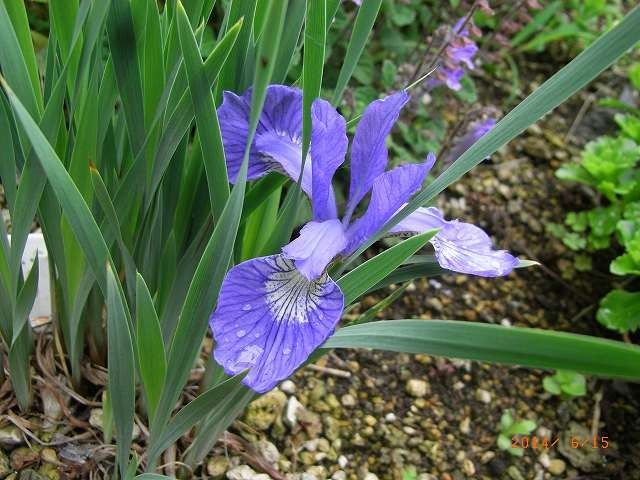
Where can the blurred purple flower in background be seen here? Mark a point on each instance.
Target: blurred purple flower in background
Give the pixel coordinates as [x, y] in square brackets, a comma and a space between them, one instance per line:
[274, 311]
[475, 132]
[457, 56]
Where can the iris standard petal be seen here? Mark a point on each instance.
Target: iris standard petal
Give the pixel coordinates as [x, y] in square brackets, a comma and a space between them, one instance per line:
[269, 319]
[328, 148]
[316, 246]
[390, 191]
[460, 247]
[369, 150]
[281, 115]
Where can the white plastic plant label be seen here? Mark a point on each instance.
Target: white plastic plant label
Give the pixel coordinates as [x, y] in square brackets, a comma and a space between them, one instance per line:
[35, 246]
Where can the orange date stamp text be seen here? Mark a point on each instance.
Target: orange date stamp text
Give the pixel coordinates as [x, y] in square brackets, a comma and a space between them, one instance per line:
[535, 442]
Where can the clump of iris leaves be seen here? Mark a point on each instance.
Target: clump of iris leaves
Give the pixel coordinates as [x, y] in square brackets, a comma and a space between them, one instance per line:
[113, 144]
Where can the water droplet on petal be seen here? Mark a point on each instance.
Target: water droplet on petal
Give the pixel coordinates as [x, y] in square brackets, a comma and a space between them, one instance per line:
[240, 333]
[286, 351]
[246, 308]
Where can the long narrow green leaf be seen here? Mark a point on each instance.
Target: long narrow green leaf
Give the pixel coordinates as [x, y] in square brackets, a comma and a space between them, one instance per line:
[62, 14]
[315, 38]
[294, 21]
[18, 15]
[121, 372]
[181, 117]
[231, 77]
[206, 116]
[74, 206]
[194, 412]
[527, 347]
[220, 417]
[18, 66]
[428, 267]
[7, 156]
[26, 297]
[574, 76]
[91, 34]
[261, 190]
[365, 19]
[19, 368]
[111, 217]
[122, 43]
[151, 355]
[362, 278]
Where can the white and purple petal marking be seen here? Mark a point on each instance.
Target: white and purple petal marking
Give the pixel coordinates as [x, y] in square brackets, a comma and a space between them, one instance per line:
[270, 318]
[460, 247]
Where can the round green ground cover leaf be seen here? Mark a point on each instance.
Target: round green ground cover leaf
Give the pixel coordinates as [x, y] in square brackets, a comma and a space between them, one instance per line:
[620, 311]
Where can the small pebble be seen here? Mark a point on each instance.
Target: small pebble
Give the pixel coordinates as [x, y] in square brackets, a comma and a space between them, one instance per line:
[514, 473]
[468, 467]
[557, 467]
[348, 400]
[483, 396]
[417, 388]
[487, 457]
[288, 387]
[465, 425]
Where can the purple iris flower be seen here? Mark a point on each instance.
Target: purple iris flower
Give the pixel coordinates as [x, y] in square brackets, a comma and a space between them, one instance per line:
[274, 311]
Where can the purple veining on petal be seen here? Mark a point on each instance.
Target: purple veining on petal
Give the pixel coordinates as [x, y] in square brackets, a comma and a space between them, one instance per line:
[465, 248]
[281, 115]
[389, 192]
[269, 319]
[284, 155]
[460, 247]
[316, 246]
[328, 148]
[368, 150]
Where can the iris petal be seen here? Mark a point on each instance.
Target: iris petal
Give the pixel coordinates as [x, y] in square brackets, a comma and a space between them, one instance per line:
[285, 156]
[369, 151]
[316, 247]
[281, 115]
[328, 148]
[390, 191]
[460, 247]
[270, 318]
